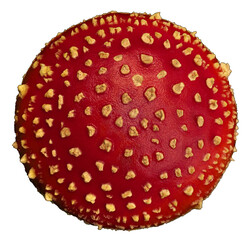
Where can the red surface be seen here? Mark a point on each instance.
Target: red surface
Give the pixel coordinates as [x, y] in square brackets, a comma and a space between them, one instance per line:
[117, 84]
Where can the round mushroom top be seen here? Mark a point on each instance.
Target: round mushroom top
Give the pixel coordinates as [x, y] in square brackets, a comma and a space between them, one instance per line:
[126, 121]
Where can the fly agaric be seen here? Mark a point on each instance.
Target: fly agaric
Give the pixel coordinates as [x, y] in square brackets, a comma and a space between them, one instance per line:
[126, 121]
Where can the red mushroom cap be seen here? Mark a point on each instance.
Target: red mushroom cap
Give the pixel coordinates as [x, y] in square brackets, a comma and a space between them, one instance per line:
[126, 121]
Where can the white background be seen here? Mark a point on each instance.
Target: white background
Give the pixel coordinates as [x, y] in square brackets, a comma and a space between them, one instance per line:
[27, 25]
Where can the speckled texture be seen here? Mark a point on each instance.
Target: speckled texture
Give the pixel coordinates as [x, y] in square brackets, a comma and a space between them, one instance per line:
[126, 121]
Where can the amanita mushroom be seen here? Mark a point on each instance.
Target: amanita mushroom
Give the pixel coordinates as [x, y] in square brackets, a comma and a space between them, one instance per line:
[126, 121]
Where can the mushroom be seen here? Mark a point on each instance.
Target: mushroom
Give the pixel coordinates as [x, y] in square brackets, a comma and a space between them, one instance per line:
[126, 121]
